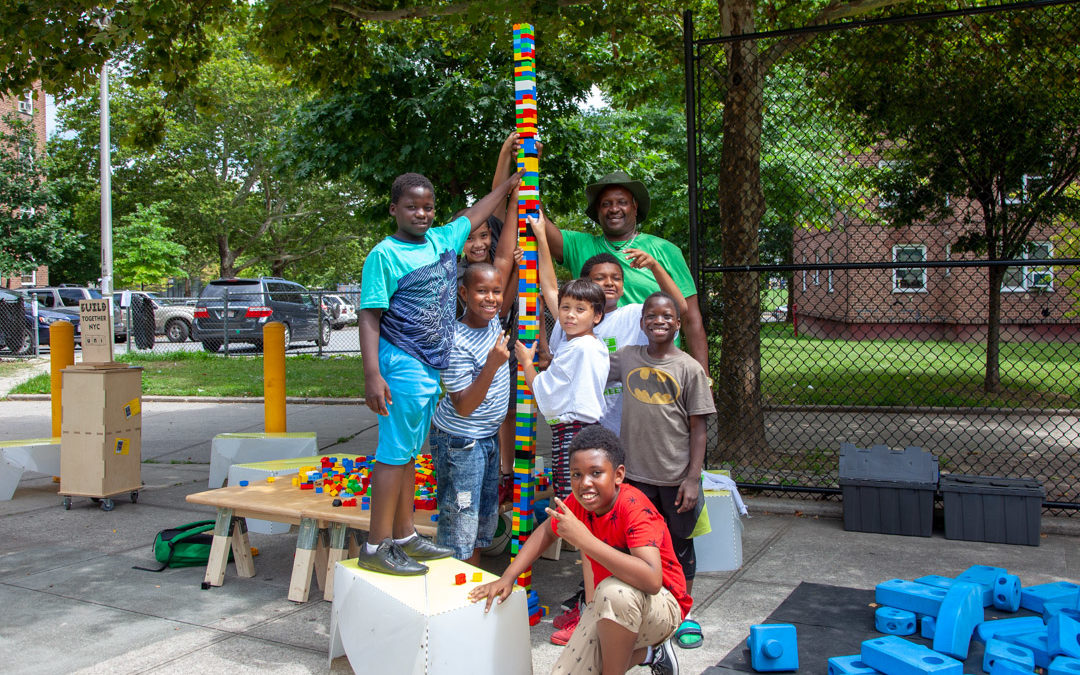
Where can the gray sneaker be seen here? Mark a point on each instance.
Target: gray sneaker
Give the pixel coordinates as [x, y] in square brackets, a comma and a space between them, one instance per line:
[388, 558]
[664, 661]
[422, 548]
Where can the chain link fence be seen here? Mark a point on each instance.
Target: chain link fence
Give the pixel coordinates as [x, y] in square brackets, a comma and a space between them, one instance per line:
[914, 276]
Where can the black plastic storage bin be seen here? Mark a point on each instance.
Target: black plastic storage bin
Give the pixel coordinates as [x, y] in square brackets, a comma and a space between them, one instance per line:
[996, 510]
[887, 491]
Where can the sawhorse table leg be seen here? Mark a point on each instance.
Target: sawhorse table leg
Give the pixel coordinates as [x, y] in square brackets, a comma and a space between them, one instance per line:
[241, 549]
[336, 554]
[224, 529]
[304, 561]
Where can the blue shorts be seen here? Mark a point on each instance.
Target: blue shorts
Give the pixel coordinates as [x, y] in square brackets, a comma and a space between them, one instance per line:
[414, 391]
[468, 473]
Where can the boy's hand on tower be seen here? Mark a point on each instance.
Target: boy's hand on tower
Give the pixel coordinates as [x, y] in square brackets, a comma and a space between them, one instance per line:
[689, 491]
[524, 354]
[570, 528]
[499, 353]
[377, 395]
[491, 591]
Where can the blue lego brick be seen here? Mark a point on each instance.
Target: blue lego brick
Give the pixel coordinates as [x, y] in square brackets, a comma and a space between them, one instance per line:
[773, 647]
[1033, 597]
[1021, 624]
[927, 627]
[896, 656]
[1007, 592]
[892, 621]
[1007, 667]
[960, 613]
[985, 576]
[909, 595]
[1036, 642]
[1064, 665]
[1063, 633]
[1000, 649]
[849, 665]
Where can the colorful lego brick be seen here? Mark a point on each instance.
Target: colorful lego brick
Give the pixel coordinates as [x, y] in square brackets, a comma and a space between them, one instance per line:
[348, 502]
[1000, 649]
[961, 611]
[1006, 593]
[927, 626]
[909, 595]
[271, 479]
[897, 656]
[849, 665]
[1064, 665]
[1036, 642]
[477, 577]
[243, 483]
[1021, 624]
[307, 486]
[1063, 633]
[892, 621]
[459, 579]
[1033, 597]
[773, 647]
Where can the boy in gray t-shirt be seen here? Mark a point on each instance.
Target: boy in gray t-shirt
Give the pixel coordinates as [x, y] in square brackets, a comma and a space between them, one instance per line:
[666, 399]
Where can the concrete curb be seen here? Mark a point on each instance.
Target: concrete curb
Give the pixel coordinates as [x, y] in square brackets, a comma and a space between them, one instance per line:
[313, 400]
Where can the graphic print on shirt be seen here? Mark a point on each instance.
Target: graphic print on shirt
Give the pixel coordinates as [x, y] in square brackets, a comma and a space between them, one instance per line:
[652, 386]
[416, 324]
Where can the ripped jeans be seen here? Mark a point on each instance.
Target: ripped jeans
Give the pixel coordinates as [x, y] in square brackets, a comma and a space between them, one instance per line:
[467, 471]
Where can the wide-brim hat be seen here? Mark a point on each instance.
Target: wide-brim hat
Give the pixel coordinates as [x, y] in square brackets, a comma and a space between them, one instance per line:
[618, 179]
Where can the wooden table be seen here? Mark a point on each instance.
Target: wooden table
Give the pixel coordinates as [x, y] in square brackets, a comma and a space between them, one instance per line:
[282, 502]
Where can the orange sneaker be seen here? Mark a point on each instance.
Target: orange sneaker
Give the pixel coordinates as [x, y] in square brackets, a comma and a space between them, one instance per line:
[562, 636]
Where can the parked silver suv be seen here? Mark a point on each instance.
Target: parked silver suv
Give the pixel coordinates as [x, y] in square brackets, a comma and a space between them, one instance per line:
[237, 309]
[55, 297]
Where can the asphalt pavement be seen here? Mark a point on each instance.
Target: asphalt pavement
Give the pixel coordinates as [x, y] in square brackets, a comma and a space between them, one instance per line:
[73, 603]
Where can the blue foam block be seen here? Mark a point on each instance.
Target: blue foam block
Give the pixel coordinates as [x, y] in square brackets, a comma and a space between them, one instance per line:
[1064, 665]
[849, 665]
[1063, 633]
[897, 656]
[892, 621]
[773, 647]
[1033, 597]
[909, 595]
[1053, 607]
[1007, 592]
[985, 576]
[960, 613]
[1021, 624]
[936, 580]
[1007, 667]
[1036, 642]
[927, 627]
[1000, 649]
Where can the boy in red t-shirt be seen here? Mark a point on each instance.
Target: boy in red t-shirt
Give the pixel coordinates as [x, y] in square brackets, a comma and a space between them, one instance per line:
[640, 594]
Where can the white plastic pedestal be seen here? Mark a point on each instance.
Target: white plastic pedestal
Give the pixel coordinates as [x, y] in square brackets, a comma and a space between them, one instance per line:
[32, 454]
[426, 624]
[721, 549]
[258, 472]
[240, 448]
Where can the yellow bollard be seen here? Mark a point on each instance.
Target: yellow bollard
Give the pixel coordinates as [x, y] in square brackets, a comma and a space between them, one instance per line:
[61, 355]
[274, 376]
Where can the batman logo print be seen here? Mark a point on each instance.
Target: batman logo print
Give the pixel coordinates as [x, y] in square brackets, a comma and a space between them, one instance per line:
[652, 386]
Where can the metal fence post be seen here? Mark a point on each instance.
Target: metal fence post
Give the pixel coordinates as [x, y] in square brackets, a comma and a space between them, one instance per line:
[225, 326]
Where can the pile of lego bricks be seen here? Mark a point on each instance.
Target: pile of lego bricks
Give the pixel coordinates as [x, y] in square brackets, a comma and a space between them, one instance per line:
[951, 613]
[347, 480]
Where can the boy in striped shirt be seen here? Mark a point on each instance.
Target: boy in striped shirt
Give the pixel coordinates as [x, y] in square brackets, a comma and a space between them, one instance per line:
[465, 428]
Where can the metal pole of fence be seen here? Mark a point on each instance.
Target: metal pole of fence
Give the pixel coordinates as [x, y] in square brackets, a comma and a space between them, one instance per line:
[225, 326]
[130, 327]
[318, 339]
[34, 327]
[691, 142]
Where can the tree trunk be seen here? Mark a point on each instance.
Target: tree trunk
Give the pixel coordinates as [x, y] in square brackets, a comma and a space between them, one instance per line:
[992, 379]
[228, 258]
[742, 204]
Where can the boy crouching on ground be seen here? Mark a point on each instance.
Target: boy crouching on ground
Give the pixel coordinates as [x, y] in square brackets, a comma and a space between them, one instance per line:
[465, 432]
[640, 596]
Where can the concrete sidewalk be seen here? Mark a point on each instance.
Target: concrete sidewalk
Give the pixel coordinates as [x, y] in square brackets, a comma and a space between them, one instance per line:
[73, 603]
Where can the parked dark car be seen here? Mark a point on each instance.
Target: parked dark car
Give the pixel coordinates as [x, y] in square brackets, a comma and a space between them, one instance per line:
[24, 343]
[239, 308]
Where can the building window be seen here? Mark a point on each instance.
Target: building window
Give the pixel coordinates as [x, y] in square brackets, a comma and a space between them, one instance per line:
[29, 279]
[913, 279]
[948, 258]
[26, 103]
[829, 273]
[1034, 277]
[817, 272]
[804, 274]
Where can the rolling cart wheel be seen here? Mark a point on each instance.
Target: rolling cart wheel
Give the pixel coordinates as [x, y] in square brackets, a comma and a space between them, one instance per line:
[134, 496]
[107, 505]
[67, 503]
[96, 500]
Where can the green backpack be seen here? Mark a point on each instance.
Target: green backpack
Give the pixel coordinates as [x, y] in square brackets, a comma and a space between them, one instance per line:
[183, 546]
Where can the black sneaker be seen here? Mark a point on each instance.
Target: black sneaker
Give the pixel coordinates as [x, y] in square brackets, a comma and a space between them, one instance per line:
[422, 548]
[388, 558]
[576, 599]
[663, 660]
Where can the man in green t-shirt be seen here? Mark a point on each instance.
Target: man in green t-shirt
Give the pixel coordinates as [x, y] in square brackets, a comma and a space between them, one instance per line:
[619, 204]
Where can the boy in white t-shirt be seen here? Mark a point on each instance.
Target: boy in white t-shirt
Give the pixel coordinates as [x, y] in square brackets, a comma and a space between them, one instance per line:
[621, 326]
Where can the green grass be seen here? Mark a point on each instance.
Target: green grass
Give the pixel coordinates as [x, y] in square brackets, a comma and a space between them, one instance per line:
[9, 368]
[807, 371]
[771, 298]
[202, 374]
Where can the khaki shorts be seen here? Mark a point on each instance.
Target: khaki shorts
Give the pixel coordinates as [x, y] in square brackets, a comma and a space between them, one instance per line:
[653, 617]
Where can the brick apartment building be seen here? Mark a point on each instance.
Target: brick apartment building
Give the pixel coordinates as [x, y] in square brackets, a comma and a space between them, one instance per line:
[30, 106]
[941, 303]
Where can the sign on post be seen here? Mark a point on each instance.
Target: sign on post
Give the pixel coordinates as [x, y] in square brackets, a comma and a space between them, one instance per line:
[96, 326]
